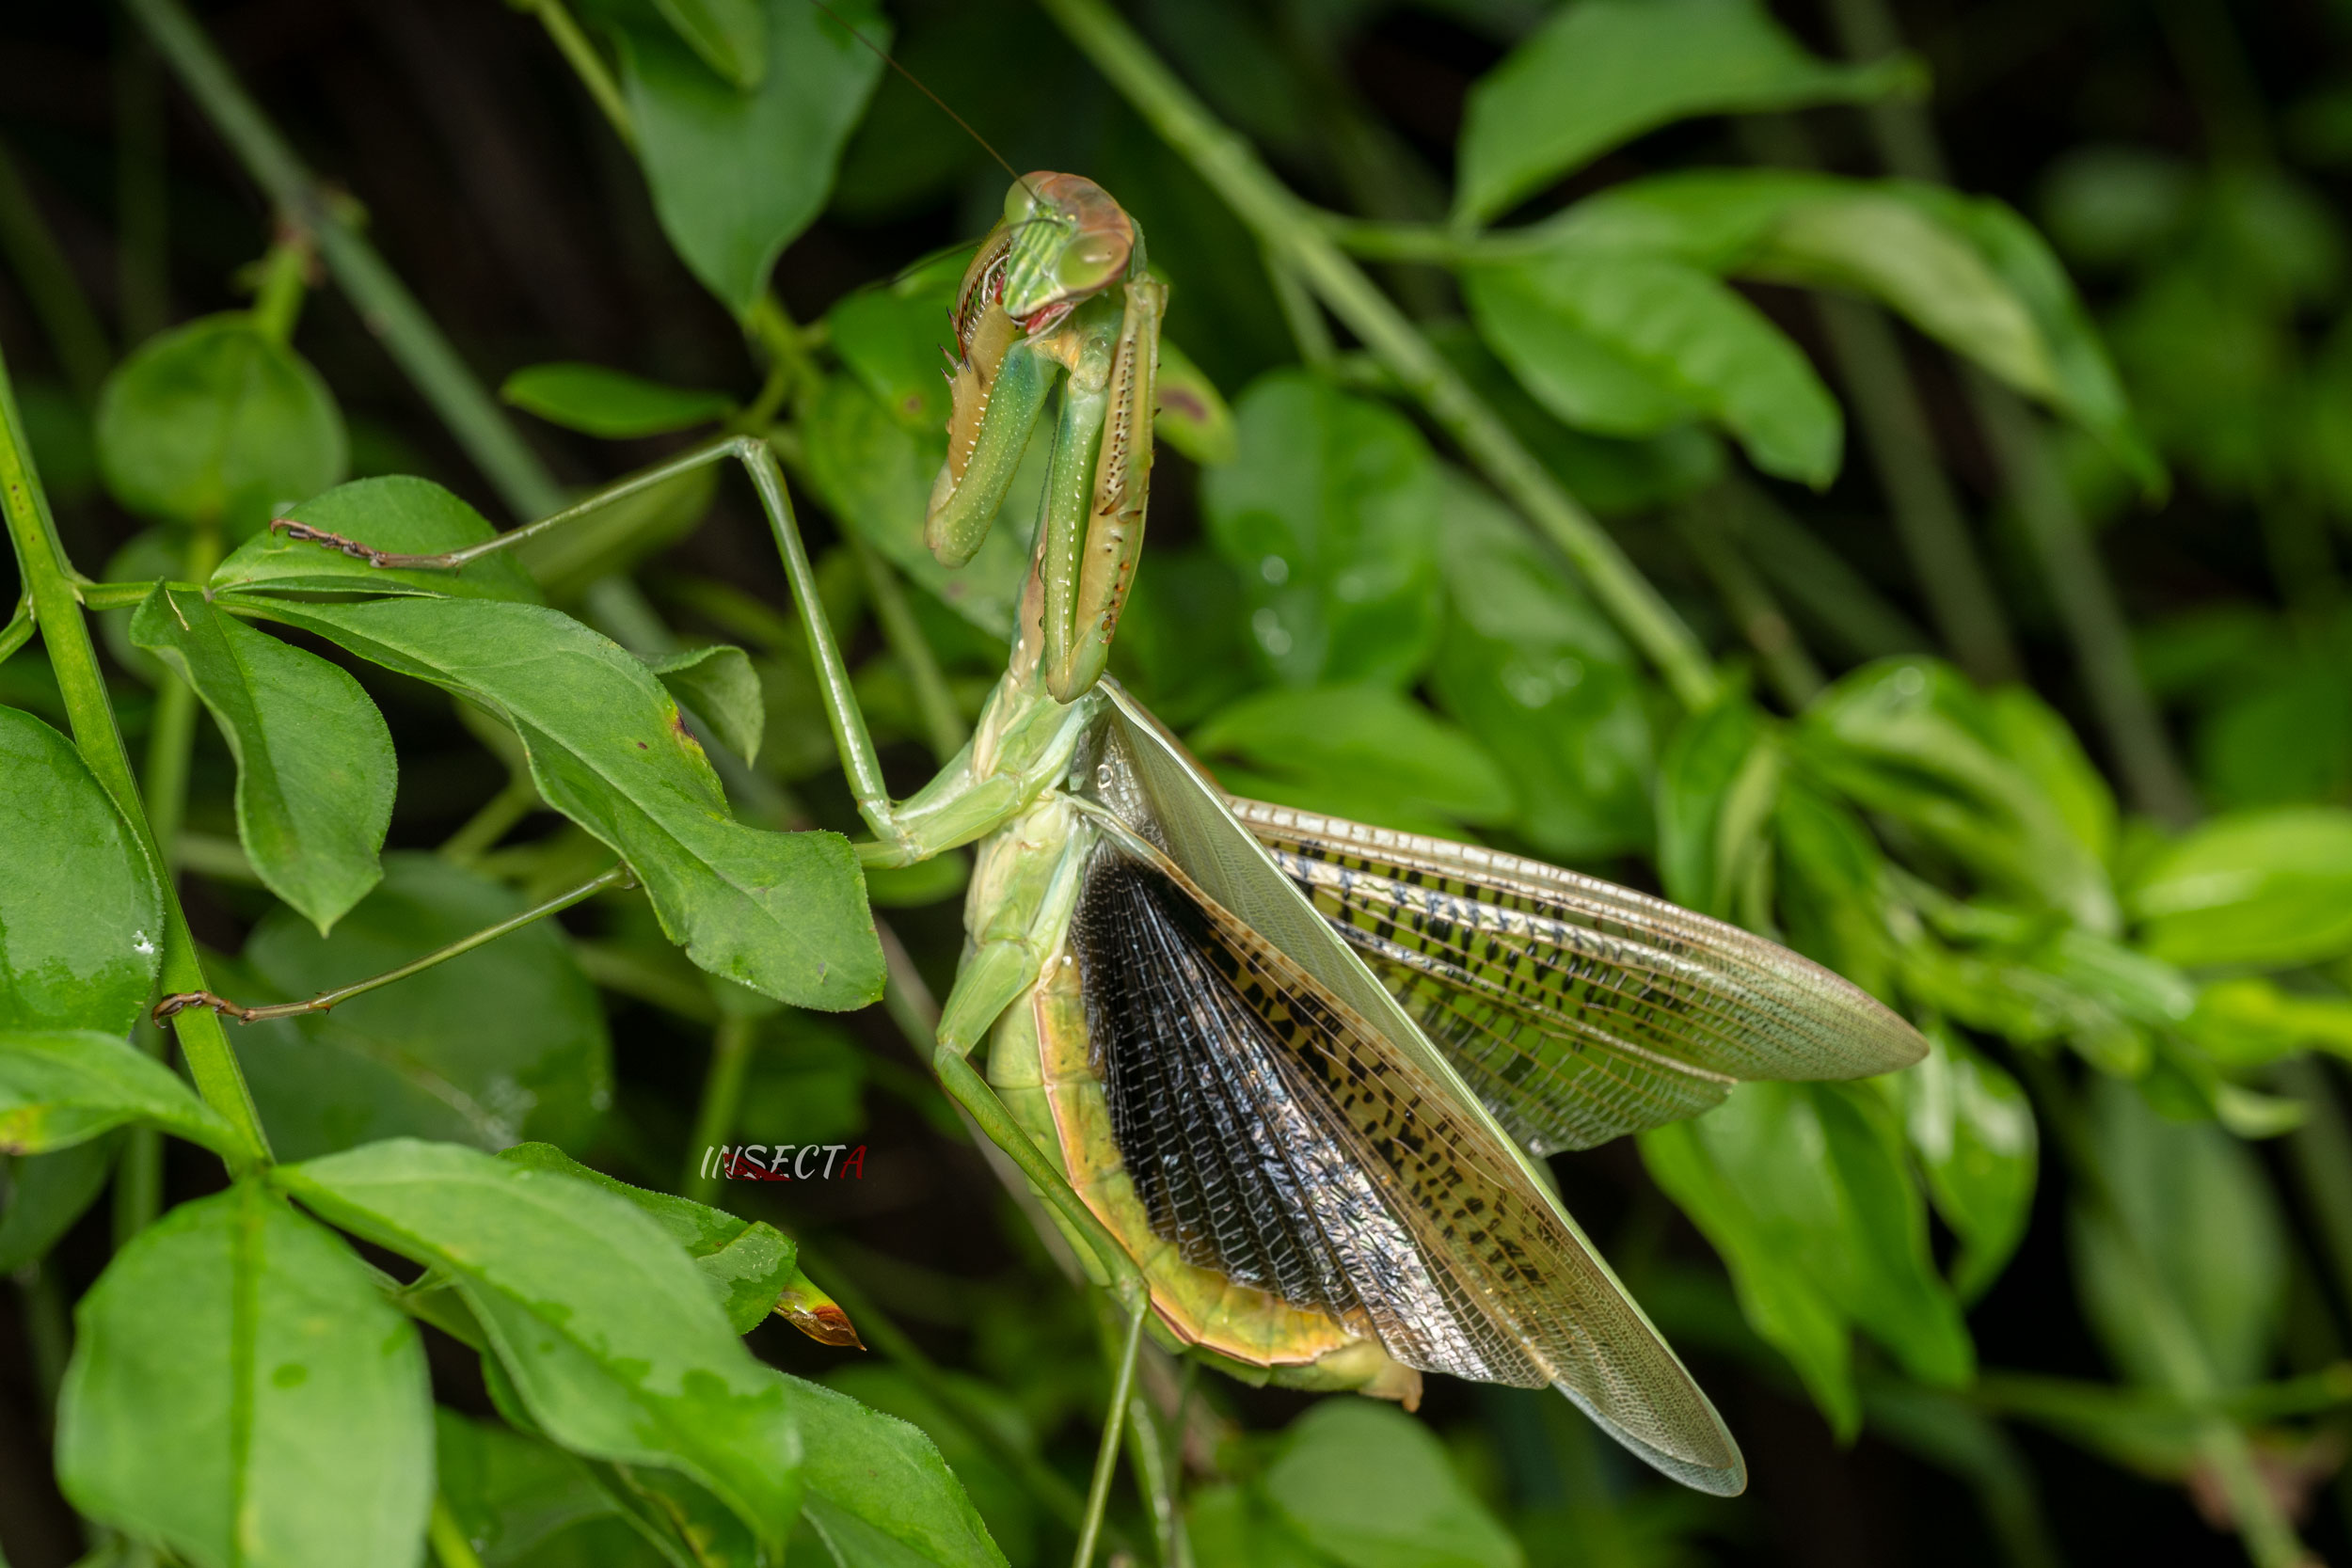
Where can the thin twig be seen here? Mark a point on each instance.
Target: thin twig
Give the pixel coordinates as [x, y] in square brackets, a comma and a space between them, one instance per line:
[179, 1002]
[722, 1101]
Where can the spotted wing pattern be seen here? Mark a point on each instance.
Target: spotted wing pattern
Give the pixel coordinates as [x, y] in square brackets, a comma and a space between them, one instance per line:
[1577, 1010]
[1273, 1134]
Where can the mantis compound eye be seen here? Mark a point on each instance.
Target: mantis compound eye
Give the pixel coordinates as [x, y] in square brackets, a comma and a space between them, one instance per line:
[1021, 202]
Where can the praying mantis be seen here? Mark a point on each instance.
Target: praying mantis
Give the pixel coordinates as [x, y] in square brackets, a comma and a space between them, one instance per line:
[1284, 1081]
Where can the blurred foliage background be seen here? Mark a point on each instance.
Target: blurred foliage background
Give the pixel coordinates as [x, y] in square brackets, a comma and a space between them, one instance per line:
[2005, 502]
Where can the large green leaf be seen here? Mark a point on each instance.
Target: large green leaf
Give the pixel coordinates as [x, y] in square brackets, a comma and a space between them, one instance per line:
[1543, 682]
[216, 423]
[397, 513]
[1630, 344]
[736, 174]
[1716, 787]
[610, 1336]
[59, 1087]
[1329, 512]
[875, 475]
[720, 685]
[1994, 781]
[509, 1493]
[747, 1262]
[315, 769]
[1965, 270]
[596, 400]
[2270, 887]
[505, 1043]
[879, 1492]
[1371, 1487]
[978, 1444]
[242, 1394]
[895, 339]
[784, 913]
[731, 35]
[1603, 72]
[1973, 1131]
[2194, 1218]
[81, 912]
[1362, 752]
[1805, 1190]
[46, 1194]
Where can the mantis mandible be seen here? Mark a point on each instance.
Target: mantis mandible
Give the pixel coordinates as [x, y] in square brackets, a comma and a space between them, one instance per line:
[1283, 1081]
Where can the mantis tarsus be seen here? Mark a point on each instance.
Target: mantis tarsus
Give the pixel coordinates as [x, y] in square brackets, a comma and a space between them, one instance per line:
[1282, 1080]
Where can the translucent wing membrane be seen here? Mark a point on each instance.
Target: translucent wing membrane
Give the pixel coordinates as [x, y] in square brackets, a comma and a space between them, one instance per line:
[1577, 1010]
[1275, 1135]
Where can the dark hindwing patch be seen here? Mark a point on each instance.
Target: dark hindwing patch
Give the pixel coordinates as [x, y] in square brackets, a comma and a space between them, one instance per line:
[1231, 1147]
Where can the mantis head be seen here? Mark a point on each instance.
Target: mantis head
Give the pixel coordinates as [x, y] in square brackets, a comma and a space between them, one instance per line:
[1067, 241]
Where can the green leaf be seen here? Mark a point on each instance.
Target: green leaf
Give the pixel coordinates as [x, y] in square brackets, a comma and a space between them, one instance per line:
[610, 1336]
[976, 1450]
[277, 1415]
[1372, 1488]
[1541, 680]
[895, 339]
[510, 1492]
[1806, 1192]
[2249, 1022]
[736, 175]
[61, 1086]
[1716, 787]
[1357, 750]
[1973, 1131]
[1234, 1524]
[315, 769]
[1911, 740]
[2271, 888]
[1329, 512]
[396, 513]
[1192, 415]
[719, 684]
[505, 1042]
[81, 912]
[875, 475]
[784, 913]
[47, 1193]
[731, 35]
[1633, 345]
[214, 422]
[598, 401]
[1612, 477]
[1603, 71]
[2199, 1223]
[747, 1262]
[878, 1491]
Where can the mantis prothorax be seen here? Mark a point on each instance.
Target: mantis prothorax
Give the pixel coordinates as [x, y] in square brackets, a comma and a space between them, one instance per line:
[1282, 1080]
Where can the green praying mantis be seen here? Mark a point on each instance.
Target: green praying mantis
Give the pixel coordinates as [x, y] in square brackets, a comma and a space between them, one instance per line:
[1284, 1081]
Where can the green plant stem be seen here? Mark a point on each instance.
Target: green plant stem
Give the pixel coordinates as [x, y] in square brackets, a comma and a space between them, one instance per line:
[2320, 1151]
[1288, 229]
[19, 630]
[54, 293]
[2188, 1373]
[1310, 332]
[1794, 675]
[943, 727]
[1817, 579]
[46, 1333]
[574, 45]
[723, 1097]
[2143, 753]
[142, 210]
[171, 732]
[284, 281]
[2086, 604]
[384, 303]
[448, 1537]
[493, 822]
[190, 1000]
[42, 562]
